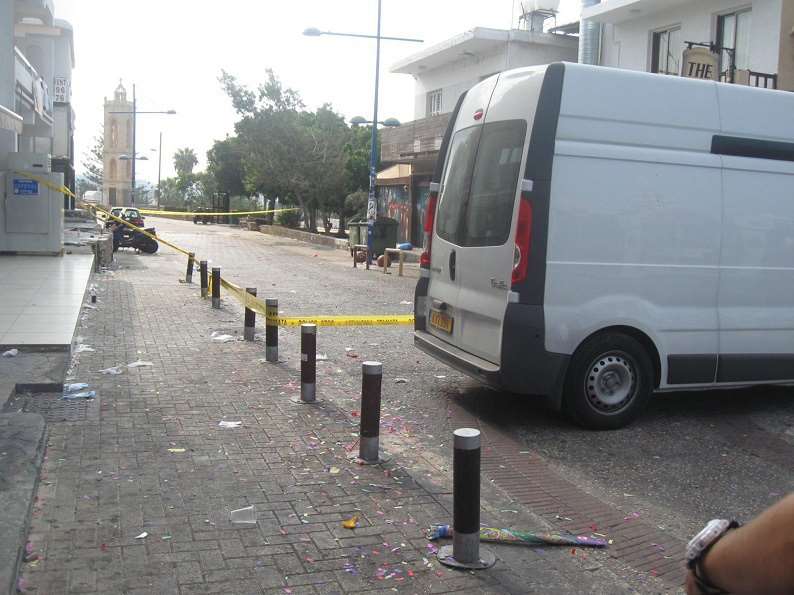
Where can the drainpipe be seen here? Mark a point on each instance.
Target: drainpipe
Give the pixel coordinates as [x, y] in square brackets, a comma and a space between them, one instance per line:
[589, 38]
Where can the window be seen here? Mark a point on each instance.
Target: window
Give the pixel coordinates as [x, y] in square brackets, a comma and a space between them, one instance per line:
[668, 48]
[129, 168]
[733, 33]
[111, 196]
[128, 138]
[113, 170]
[434, 103]
[114, 133]
[480, 184]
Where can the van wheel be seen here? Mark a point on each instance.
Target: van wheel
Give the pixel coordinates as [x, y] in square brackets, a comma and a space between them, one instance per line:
[609, 382]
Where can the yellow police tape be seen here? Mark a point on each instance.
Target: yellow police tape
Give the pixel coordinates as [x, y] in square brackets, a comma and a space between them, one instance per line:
[257, 305]
[228, 213]
[246, 299]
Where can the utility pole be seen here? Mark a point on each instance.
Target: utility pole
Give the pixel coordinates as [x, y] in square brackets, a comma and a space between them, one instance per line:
[134, 154]
[159, 169]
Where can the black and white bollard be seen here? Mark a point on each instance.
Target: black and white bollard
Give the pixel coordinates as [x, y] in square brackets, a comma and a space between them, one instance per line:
[204, 278]
[369, 434]
[465, 549]
[191, 262]
[308, 364]
[250, 318]
[271, 330]
[216, 287]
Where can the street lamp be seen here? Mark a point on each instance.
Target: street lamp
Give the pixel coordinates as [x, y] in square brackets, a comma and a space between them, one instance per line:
[372, 205]
[135, 113]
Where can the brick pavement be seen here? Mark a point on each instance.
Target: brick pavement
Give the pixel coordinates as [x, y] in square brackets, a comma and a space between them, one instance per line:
[110, 477]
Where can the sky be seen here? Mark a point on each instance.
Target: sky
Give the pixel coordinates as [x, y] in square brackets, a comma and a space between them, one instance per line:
[174, 51]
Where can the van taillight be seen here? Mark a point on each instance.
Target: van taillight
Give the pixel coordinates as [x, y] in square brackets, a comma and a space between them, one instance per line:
[430, 218]
[523, 240]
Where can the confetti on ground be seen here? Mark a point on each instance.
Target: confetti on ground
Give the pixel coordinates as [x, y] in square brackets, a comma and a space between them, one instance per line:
[350, 523]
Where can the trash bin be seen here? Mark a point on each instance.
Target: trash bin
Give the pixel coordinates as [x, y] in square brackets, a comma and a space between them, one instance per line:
[384, 235]
[354, 232]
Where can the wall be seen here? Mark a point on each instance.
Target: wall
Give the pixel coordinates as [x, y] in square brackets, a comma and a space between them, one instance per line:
[628, 44]
[786, 59]
[7, 76]
[457, 77]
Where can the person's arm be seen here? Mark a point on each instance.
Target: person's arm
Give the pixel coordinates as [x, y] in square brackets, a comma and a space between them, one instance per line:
[756, 559]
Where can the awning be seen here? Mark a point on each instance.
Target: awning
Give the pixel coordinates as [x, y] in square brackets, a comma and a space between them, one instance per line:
[10, 120]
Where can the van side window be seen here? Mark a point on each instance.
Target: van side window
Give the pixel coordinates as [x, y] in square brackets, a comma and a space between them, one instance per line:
[489, 212]
[456, 183]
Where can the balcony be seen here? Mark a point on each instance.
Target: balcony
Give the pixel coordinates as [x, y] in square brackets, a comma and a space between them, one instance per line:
[33, 96]
[618, 11]
[415, 141]
[36, 9]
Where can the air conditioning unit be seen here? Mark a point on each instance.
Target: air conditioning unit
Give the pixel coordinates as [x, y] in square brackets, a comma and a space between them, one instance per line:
[30, 162]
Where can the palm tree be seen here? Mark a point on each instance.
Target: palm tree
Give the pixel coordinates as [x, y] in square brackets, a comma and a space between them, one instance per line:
[184, 161]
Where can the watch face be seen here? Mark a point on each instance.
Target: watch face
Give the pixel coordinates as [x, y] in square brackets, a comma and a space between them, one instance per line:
[710, 533]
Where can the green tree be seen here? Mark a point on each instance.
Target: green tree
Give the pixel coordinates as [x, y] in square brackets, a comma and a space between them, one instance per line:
[184, 162]
[225, 165]
[94, 164]
[288, 151]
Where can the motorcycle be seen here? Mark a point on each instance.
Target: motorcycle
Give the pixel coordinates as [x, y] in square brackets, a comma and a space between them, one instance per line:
[132, 238]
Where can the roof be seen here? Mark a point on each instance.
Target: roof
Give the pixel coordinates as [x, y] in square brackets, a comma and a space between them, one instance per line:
[617, 11]
[475, 42]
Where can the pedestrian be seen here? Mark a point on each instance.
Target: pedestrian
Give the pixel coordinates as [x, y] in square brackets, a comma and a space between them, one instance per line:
[754, 559]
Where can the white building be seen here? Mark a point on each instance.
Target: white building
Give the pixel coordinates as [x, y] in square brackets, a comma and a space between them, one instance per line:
[442, 73]
[651, 35]
[36, 62]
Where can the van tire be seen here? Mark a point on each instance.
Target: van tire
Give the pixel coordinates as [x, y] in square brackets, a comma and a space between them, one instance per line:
[609, 382]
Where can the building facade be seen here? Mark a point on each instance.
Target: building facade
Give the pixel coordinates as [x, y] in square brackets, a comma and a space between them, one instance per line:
[441, 74]
[753, 40]
[117, 182]
[36, 62]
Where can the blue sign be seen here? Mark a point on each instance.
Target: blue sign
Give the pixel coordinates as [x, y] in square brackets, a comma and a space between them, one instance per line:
[26, 187]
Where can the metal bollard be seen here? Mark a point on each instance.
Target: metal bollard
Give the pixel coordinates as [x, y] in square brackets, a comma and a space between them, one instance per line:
[216, 287]
[369, 434]
[191, 262]
[465, 549]
[204, 278]
[250, 318]
[271, 331]
[308, 363]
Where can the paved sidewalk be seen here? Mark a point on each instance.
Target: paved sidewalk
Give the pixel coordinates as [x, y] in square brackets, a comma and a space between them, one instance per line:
[121, 472]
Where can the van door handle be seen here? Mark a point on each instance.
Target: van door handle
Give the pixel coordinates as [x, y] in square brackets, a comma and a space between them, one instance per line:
[452, 265]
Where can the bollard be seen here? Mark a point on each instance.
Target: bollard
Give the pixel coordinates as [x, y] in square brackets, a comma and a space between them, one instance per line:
[369, 434]
[308, 364]
[465, 549]
[250, 318]
[204, 279]
[216, 287]
[271, 330]
[191, 262]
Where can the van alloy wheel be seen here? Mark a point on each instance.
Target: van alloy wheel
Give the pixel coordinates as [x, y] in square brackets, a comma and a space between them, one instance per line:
[611, 383]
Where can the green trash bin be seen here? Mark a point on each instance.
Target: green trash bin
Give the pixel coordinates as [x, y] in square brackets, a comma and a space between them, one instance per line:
[354, 232]
[384, 235]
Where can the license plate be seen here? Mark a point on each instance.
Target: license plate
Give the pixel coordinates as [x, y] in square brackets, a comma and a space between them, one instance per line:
[441, 321]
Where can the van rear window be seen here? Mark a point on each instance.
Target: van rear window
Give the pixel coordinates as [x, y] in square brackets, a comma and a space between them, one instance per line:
[480, 183]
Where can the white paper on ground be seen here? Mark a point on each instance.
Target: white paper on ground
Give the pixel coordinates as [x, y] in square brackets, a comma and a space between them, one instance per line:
[139, 364]
[11, 353]
[230, 424]
[113, 371]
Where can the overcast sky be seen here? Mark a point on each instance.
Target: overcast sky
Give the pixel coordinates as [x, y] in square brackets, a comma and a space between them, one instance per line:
[174, 50]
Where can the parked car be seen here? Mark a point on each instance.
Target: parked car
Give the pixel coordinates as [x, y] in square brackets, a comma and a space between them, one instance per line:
[595, 235]
[200, 218]
[130, 214]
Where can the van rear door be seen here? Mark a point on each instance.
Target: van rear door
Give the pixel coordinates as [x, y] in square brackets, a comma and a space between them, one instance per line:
[473, 247]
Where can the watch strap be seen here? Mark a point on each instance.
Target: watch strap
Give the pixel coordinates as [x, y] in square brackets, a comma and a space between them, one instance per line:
[698, 573]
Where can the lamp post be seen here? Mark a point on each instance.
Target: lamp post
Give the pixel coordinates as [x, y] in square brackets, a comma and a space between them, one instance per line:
[135, 113]
[372, 205]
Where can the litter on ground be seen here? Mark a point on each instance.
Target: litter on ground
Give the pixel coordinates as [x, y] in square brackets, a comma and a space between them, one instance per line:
[115, 370]
[139, 364]
[230, 424]
[75, 396]
[11, 353]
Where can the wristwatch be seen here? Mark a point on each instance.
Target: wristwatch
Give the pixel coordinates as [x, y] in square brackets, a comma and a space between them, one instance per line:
[698, 548]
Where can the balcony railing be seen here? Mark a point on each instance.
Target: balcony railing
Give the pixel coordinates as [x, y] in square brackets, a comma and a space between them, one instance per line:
[414, 141]
[31, 88]
[751, 78]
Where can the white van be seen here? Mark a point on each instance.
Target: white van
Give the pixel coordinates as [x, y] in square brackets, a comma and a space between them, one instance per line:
[596, 234]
